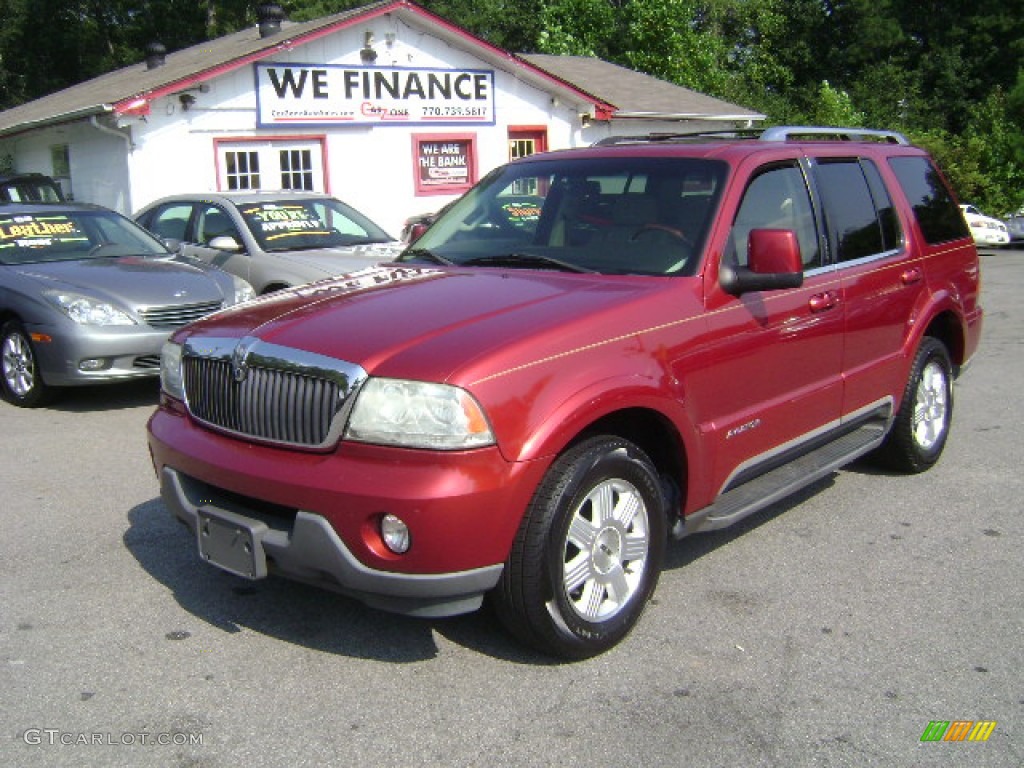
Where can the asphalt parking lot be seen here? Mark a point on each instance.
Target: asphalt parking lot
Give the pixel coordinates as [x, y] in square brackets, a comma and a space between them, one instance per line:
[830, 630]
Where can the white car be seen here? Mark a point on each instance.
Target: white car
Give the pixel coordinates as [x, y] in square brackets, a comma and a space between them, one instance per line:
[985, 229]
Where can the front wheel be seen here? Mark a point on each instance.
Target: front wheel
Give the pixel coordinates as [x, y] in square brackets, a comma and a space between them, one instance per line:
[588, 552]
[20, 380]
[922, 423]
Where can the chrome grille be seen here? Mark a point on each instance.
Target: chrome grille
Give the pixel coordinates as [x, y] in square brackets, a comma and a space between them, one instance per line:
[178, 315]
[269, 393]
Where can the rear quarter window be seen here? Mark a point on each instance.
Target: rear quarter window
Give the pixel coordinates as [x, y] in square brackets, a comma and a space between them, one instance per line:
[936, 211]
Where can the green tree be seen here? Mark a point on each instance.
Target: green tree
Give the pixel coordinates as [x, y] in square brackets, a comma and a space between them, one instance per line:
[835, 107]
[579, 28]
[948, 72]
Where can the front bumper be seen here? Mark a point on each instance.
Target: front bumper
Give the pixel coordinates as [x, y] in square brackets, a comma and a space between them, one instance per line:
[990, 237]
[310, 551]
[315, 517]
[125, 352]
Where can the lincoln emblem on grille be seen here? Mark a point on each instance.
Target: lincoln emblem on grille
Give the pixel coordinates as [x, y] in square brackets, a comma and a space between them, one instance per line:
[239, 367]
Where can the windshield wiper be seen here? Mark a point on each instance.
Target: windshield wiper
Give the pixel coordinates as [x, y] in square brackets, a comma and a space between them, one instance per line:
[527, 260]
[422, 254]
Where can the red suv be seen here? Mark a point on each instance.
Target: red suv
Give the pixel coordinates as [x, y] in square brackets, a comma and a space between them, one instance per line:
[528, 404]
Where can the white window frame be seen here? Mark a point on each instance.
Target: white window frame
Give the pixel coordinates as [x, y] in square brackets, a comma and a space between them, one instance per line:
[269, 150]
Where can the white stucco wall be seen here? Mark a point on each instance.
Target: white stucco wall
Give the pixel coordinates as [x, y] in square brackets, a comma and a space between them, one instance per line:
[98, 161]
[370, 167]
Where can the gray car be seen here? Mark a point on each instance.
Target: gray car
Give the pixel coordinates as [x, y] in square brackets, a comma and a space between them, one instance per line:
[273, 240]
[87, 296]
[1015, 227]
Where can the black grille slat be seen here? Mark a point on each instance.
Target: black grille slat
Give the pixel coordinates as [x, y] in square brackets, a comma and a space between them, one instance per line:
[147, 362]
[281, 406]
[178, 315]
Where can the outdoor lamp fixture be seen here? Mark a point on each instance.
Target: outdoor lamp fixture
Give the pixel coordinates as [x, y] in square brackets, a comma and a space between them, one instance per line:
[366, 53]
[187, 100]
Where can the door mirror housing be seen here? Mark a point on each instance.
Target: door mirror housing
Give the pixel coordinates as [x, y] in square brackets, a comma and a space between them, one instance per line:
[774, 263]
[225, 243]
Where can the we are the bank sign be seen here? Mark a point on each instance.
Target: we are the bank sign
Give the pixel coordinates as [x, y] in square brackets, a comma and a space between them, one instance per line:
[318, 94]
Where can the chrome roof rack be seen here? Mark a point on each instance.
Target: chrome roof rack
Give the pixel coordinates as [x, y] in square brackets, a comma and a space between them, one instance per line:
[653, 138]
[789, 132]
[776, 133]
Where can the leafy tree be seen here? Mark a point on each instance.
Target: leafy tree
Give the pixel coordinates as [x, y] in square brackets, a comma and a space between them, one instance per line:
[579, 28]
[948, 72]
[835, 107]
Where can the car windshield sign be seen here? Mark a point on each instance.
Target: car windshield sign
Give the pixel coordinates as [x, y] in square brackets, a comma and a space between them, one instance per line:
[36, 237]
[292, 225]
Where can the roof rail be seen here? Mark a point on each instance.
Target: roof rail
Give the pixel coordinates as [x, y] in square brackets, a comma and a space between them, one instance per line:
[787, 132]
[648, 138]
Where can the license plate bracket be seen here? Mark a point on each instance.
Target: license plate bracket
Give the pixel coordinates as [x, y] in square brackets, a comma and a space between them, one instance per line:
[232, 542]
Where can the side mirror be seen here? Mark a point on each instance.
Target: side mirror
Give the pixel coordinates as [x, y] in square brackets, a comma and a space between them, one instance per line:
[225, 243]
[172, 244]
[416, 231]
[774, 263]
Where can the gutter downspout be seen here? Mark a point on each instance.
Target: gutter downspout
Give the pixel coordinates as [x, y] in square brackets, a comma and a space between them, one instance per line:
[129, 145]
[112, 131]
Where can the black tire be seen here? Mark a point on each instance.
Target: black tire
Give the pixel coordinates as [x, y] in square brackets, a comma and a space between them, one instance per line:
[21, 383]
[564, 598]
[922, 423]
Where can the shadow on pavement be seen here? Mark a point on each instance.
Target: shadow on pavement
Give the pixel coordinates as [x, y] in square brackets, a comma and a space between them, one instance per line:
[296, 613]
[106, 397]
[332, 623]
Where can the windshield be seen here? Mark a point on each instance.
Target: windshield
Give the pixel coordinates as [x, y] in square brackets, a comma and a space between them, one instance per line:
[297, 225]
[614, 215]
[28, 238]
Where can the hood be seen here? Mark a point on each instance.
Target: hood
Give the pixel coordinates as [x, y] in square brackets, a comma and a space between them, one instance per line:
[132, 282]
[433, 323]
[333, 261]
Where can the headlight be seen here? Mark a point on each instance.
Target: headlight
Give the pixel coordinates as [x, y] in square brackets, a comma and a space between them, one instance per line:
[170, 370]
[86, 310]
[416, 414]
[243, 291]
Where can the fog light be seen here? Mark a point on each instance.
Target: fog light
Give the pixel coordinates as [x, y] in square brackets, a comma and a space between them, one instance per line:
[93, 364]
[395, 534]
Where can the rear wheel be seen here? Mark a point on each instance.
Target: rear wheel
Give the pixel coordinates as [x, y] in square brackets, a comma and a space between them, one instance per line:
[20, 380]
[923, 420]
[588, 553]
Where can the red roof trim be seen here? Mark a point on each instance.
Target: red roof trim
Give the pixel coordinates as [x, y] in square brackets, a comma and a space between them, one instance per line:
[138, 104]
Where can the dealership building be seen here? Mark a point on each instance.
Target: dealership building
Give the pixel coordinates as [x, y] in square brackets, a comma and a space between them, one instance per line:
[388, 106]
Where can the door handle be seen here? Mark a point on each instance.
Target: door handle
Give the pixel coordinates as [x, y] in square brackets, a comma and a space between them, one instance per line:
[822, 302]
[911, 276]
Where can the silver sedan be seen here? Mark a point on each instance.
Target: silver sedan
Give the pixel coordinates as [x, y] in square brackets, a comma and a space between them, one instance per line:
[87, 296]
[273, 240]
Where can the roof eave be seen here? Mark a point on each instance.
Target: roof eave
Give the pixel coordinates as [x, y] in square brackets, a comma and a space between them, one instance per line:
[705, 116]
[64, 117]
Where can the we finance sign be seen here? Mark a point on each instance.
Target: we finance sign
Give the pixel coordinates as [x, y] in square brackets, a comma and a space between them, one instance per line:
[308, 94]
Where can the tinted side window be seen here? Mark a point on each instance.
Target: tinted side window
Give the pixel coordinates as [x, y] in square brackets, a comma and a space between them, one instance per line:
[934, 207]
[854, 227]
[776, 198]
[31, 191]
[214, 222]
[170, 221]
